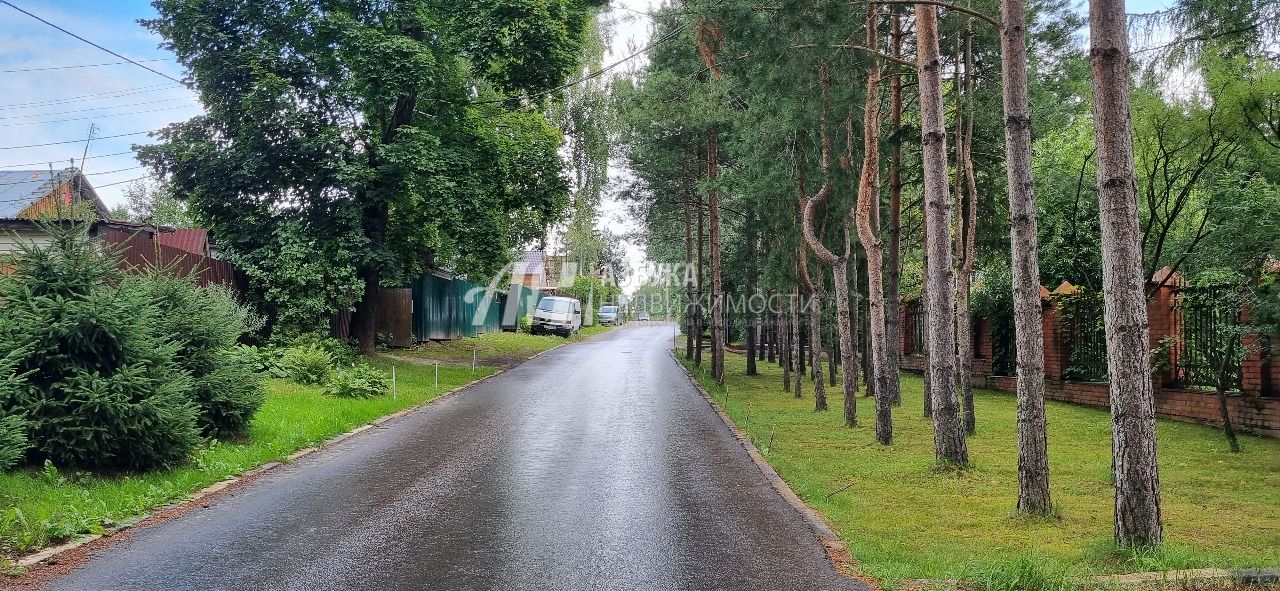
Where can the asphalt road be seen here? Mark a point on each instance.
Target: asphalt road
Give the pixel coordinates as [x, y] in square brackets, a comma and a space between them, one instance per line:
[595, 466]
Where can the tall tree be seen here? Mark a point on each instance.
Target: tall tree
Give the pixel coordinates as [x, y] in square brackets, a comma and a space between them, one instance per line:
[1033, 455]
[352, 126]
[839, 263]
[948, 430]
[1133, 421]
[868, 191]
[893, 263]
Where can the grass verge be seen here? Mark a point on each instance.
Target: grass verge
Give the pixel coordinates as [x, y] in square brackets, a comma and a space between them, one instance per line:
[903, 519]
[497, 349]
[40, 508]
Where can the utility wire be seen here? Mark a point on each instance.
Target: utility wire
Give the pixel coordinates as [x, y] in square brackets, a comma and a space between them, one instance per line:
[45, 69]
[105, 172]
[121, 182]
[94, 116]
[121, 56]
[64, 160]
[56, 113]
[103, 137]
[88, 97]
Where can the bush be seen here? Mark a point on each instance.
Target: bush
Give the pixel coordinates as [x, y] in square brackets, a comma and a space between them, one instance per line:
[205, 323]
[359, 381]
[264, 360]
[339, 352]
[306, 364]
[97, 383]
[13, 441]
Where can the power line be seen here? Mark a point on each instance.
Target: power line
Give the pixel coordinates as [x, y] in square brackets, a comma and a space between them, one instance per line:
[93, 116]
[45, 69]
[58, 161]
[105, 172]
[55, 113]
[104, 137]
[595, 74]
[122, 182]
[88, 97]
[121, 56]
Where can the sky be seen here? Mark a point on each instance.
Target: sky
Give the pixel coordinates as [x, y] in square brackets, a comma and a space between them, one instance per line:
[52, 87]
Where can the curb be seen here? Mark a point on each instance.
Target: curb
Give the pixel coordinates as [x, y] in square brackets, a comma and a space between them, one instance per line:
[217, 487]
[841, 559]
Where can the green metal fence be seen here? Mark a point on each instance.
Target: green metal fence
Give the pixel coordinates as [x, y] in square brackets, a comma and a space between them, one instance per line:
[446, 308]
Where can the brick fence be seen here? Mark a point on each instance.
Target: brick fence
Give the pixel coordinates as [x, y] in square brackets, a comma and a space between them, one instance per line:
[1254, 408]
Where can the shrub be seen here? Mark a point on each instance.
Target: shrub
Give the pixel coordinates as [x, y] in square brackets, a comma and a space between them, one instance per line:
[98, 384]
[306, 364]
[359, 381]
[339, 352]
[264, 360]
[13, 441]
[205, 323]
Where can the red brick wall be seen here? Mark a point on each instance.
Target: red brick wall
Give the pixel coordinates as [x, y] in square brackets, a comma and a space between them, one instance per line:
[1249, 411]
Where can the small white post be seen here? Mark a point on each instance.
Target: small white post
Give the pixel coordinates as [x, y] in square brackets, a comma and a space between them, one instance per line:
[437, 375]
[393, 382]
[473, 360]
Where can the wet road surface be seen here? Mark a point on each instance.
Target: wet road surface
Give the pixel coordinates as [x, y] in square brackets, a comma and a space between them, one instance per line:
[595, 466]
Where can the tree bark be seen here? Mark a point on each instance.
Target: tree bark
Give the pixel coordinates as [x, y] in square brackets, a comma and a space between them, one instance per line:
[1033, 439]
[1137, 479]
[869, 190]
[966, 242]
[751, 344]
[784, 355]
[893, 265]
[831, 363]
[717, 293]
[815, 331]
[948, 431]
[698, 325]
[690, 301]
[797, 346]
[839, 264]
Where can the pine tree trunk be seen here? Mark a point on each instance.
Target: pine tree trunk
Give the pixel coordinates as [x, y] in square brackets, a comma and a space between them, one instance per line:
[717, 293]
[1033, 440]
[848, 365]
[699, 323]
[815, 331]
[893, 266]
[802, 343]
[784, 354]
[868, 191]
[948, 430]
[1137, 479]
[751, 345]
[772, 331]
[964, 316]
[839, 264]
[832, 351]
[797, 346]
[690, 300]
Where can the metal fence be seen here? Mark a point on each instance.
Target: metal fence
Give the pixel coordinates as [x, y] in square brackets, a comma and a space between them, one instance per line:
[138, 253]
[446, 308]
[1086, 338]
[1203, 345]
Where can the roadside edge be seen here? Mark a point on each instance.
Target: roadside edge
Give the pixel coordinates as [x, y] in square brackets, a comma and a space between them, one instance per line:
[841, 559]
[174, 509]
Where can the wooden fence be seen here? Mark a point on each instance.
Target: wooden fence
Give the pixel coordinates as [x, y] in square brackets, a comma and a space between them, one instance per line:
[138, 252]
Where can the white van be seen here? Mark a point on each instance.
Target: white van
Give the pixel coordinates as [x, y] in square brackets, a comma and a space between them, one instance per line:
[557, 314]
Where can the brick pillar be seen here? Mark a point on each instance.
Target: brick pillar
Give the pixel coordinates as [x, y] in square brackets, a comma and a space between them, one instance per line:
[1251, 370]
[1055, 352]
[1162, 321]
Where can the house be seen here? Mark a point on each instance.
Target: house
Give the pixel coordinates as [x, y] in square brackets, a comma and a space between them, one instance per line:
[26, 195]
[539, 270]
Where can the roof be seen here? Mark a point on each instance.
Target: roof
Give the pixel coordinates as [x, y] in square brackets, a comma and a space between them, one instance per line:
[21, 188]
[193, 240]
[532, 263]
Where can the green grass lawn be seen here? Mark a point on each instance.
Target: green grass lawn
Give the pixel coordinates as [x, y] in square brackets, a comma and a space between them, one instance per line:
[903, 520]
[43, 507]
[497, 349]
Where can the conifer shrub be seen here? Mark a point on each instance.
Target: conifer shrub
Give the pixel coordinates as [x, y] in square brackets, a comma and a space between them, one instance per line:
[205, 323]
[98, 384]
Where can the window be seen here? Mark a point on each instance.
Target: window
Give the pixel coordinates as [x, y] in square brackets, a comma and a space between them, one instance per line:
[553, 305]
[608, 309]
